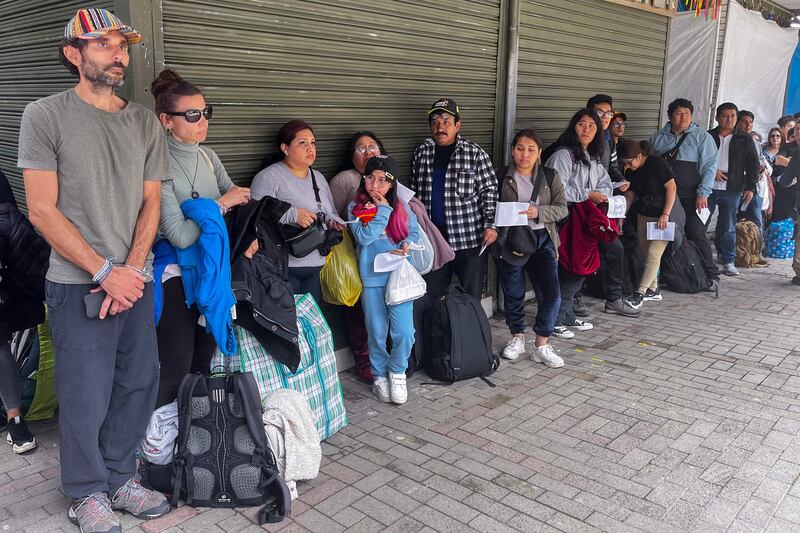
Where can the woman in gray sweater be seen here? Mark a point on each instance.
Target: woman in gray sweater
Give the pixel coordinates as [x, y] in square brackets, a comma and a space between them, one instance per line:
[291, 181]
[183, 344]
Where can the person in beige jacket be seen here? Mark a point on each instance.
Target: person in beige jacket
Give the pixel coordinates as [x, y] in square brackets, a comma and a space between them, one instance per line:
[532, 248]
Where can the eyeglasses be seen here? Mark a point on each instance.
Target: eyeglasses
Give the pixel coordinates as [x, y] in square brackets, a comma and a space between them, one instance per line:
[381, 180]
[446, 117]
[373, 149]
[193, 115]
[617, 124]
[604, 114]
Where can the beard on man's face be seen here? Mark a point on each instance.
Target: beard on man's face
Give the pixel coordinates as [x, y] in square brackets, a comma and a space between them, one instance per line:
[102, 76]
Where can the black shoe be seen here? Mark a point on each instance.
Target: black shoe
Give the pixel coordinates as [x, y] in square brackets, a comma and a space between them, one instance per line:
[653, 295]
[796, 280]
[19, 436]
[636, 300]
[621, 307]
[579, 306]
[713, 286]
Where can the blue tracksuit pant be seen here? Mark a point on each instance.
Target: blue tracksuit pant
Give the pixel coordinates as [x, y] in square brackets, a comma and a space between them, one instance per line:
[381, 320]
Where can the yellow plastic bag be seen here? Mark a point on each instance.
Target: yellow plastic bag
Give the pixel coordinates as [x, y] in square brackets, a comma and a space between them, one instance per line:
[341, 282]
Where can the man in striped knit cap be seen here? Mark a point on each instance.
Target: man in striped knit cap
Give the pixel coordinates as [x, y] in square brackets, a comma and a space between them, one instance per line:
[93, 165]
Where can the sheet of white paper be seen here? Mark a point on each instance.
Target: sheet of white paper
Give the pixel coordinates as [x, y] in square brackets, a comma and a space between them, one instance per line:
[617, 184]
[617, 206]
[704, 214]
[655, 234]
[404, 193]
[386, 262]
[508, 214]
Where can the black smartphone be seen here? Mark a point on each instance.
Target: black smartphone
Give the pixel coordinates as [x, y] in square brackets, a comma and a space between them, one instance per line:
[93, 301]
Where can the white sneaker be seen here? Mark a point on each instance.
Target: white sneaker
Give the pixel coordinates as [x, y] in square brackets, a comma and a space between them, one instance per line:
[514, 348]
[729, 269]
[381, 389]
[398, 391]
[545, 354]
[562, 332]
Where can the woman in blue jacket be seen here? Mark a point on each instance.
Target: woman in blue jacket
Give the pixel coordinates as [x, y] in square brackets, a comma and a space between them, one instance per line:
[385, 224]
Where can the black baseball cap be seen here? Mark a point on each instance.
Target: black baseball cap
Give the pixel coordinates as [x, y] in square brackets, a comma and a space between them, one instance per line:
[385, 163]
[445, 105]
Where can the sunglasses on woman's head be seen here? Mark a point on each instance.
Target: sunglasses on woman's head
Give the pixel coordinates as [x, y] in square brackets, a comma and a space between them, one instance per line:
[193, 115]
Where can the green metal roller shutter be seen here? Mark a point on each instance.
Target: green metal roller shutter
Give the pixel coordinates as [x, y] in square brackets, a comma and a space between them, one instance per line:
[340, 65]
[29, 35]
[572, 50]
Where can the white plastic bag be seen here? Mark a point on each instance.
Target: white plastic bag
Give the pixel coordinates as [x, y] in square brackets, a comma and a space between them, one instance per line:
[405, 284]
[422, 255]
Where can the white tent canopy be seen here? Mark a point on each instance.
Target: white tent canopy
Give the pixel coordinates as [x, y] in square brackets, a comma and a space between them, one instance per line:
[755, 63]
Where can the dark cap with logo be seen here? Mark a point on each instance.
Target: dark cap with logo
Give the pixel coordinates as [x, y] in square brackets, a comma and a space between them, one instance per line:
[445, 105]
[385, 163]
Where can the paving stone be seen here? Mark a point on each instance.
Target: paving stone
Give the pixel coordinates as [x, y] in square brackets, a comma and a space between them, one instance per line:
[686, 420]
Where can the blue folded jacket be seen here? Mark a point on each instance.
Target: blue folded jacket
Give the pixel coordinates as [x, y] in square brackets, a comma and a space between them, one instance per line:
[205, 271]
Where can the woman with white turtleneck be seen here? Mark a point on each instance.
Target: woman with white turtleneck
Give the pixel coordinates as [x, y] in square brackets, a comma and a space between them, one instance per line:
[196, 172]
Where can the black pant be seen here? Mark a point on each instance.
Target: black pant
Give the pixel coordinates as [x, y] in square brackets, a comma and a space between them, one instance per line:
[467, 265]
[306, 280]
[569, 284]
[183, 345]
[696, 232]
[106, 379]
[613, 255]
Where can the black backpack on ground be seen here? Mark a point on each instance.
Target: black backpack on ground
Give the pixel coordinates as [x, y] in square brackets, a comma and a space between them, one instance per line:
[416, 359]
[458, 338]
[682, 269]
[222, 457]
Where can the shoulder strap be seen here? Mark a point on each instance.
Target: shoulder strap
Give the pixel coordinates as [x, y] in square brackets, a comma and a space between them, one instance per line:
[672, 154]
[185, 394]
[316, 189]
[208, 159]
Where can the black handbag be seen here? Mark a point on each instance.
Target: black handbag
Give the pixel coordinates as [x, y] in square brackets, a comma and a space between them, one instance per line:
[302, 241]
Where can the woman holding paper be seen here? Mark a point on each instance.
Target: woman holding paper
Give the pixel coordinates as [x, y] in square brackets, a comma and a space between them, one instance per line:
[531, 248]
[385, 224]
[653, 182]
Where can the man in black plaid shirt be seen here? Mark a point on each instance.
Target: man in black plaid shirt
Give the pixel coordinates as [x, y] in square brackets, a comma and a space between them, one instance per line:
[455, 180]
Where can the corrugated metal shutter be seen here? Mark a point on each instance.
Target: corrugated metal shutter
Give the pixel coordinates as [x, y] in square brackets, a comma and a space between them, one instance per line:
[29, 35]
[340, 65]
[572, 50]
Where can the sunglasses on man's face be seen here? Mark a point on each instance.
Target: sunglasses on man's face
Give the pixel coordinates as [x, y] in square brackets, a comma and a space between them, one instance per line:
[193, 115]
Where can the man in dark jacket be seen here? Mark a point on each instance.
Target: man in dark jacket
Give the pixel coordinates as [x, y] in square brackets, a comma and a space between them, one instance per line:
[734, 183]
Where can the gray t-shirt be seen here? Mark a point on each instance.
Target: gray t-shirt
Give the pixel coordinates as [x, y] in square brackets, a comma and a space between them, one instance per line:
[278, 181]
[102, 160]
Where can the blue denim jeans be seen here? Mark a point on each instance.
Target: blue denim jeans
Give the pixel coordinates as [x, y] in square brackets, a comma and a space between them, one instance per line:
[725, 233]
[754, 212]
[383, 320]
[542, 269]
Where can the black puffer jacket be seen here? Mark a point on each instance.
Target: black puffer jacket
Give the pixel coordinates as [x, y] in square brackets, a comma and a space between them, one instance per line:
[264, 300]
[24, 256]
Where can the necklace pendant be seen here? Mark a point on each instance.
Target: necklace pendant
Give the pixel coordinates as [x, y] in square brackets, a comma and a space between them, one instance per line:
[195, 195]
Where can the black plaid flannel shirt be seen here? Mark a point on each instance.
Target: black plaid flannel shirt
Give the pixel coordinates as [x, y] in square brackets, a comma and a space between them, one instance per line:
[470, 190]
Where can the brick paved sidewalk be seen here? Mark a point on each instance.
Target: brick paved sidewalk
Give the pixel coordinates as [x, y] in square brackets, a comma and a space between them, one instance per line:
[687, 419]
